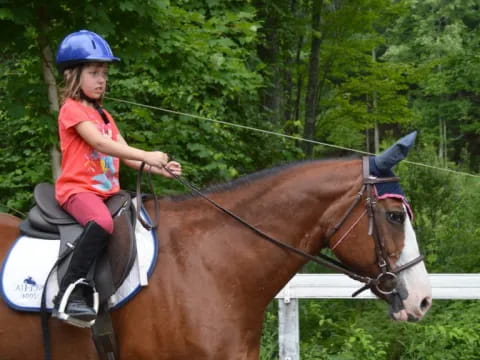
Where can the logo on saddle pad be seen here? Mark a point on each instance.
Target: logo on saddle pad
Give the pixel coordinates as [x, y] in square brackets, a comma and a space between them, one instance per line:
[29, 289]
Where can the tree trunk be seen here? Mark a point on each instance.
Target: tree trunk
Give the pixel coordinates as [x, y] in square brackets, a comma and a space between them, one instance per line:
[442, 147]
[270, 54]
[289, 61]
[445, 153]
[312, 85]
[374, 109]
[367, 140]
[299, 81]
[49, 78]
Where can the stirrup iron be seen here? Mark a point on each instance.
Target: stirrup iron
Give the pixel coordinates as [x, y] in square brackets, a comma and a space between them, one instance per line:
[63, 302]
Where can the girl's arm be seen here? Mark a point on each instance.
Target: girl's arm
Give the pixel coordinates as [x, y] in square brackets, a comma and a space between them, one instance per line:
[120, 149]
[173, 166]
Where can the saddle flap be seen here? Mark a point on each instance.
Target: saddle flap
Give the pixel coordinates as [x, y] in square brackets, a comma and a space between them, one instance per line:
[118, 202]
[115, 264]
[68, 235]
[122, 254]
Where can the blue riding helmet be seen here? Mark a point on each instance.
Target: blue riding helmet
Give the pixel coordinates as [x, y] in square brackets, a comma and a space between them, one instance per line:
[81, 47]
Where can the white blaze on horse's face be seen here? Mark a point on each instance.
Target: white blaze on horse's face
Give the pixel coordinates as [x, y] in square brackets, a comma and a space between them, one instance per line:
[415, 279]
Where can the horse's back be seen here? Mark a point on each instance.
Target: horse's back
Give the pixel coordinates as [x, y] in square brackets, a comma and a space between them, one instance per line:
[9, 231]
[9, 222]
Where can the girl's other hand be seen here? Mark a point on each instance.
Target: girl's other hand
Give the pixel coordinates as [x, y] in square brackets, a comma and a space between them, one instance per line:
[156, 158]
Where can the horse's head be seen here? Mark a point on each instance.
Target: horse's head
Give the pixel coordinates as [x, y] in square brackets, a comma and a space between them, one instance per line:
[376, 239]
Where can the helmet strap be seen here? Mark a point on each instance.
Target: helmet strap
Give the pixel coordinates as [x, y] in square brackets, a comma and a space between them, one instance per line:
[95, 104]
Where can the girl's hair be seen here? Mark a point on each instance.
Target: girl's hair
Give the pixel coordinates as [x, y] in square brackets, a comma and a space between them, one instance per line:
[71, 87]
[71, 80]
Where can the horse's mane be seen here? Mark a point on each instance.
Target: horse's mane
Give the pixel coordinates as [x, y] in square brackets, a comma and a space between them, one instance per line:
[250, 178]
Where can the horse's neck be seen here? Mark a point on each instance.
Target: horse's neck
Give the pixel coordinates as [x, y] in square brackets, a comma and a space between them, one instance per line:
[288, 206]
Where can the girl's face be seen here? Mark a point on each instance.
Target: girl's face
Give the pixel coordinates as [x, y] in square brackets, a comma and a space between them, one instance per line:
[93, 80]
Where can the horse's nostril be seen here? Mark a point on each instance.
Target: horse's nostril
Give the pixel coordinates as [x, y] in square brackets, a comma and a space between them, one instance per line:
[426, 303]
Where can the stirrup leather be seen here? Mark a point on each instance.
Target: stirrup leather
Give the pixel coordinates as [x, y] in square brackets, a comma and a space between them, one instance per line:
[63, 302]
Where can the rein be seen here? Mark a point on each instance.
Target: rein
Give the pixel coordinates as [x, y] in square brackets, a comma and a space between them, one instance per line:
[387, 274]
[321, 259]
[146, 225]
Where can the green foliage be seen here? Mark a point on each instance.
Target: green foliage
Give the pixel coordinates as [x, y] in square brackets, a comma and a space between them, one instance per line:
[440, 41]
[344, 342]
[200, 68]
[26, 131]
[360, 329]
[269, 348]
[454, 335]
[446, 213]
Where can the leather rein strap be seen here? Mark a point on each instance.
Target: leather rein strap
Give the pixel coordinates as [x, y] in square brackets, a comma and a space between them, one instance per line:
[139, 196]
[324, 260]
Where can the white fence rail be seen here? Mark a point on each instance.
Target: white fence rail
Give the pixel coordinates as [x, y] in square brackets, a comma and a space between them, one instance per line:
[339, 286]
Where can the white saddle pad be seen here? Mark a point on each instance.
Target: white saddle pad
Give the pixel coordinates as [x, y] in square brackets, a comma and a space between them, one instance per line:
[29, 261]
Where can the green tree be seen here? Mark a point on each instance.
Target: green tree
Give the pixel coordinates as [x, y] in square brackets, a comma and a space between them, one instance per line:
[440, 40]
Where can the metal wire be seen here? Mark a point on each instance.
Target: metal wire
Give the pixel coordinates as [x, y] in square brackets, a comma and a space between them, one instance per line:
[296, 138]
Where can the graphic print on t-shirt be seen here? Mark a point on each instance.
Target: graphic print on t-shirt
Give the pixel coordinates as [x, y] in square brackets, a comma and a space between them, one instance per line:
[105, 172]
[105, 167]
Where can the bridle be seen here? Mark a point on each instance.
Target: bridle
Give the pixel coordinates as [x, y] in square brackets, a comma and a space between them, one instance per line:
[386, 282]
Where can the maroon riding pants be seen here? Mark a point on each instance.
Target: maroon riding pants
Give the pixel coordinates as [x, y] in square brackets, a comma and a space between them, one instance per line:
[86, 207]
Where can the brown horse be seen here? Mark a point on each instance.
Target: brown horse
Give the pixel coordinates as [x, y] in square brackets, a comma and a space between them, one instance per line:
[215, 277]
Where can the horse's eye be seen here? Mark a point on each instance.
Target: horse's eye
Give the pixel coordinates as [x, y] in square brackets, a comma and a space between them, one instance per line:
[397, 217]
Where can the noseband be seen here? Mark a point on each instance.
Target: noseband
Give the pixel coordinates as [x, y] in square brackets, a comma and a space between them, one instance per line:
[386, 282]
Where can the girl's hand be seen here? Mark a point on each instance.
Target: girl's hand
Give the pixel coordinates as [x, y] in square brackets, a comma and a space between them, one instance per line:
[156, 158]
[174, 167]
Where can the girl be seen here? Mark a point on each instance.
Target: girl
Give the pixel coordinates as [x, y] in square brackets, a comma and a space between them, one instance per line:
[91, 147]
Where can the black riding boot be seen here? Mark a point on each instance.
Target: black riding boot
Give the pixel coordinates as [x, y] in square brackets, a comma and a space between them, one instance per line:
[87, 248]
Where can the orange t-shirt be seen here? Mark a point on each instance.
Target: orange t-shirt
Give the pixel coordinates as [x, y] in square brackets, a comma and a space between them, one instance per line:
[84, 169]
